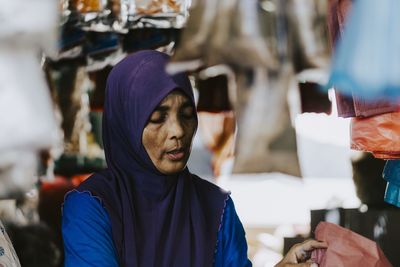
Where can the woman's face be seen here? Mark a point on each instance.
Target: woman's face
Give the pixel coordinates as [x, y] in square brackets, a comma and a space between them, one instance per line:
[168, 134]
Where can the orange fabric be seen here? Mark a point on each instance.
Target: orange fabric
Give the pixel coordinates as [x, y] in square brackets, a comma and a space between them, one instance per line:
[378, 134]
[346, 248]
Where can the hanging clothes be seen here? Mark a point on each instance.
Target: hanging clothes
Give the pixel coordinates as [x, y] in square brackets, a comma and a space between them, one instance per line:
[351, 105]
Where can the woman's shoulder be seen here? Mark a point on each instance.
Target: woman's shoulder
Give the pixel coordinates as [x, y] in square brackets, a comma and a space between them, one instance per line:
[80, 204]
[207, 185]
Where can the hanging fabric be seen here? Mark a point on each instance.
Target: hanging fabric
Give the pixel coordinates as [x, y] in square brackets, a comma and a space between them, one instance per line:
[391, 174]
[366, 60]
[352, 105]
[266, 140]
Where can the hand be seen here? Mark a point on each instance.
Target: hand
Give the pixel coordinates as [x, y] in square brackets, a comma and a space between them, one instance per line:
[299, 255]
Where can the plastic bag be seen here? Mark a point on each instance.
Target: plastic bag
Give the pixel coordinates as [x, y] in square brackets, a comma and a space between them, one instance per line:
[266, 140]
[378, 134]
[366, 59]
[346, 248]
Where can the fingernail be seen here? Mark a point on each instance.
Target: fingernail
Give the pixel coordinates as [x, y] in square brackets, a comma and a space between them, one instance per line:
[314, 264]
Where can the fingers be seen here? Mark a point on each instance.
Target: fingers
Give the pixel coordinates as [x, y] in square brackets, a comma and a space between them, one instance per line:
[303, 250]
[300, 253]
[312, 244]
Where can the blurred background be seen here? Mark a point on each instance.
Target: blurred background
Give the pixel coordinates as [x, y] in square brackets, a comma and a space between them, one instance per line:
[297, 102]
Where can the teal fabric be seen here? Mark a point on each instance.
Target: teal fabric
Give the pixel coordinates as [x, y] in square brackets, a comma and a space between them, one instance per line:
[391, 174]
[87, 235]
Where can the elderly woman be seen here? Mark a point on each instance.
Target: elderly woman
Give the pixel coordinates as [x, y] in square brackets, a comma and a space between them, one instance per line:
[146, 208]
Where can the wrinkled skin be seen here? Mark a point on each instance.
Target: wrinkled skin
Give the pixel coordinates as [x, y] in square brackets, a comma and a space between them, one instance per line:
[168, 134]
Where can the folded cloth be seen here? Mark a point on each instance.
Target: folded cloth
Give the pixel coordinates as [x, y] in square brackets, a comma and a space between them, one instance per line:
[346, 248]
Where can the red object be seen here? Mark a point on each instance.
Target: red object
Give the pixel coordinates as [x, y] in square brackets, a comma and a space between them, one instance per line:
[346, 248]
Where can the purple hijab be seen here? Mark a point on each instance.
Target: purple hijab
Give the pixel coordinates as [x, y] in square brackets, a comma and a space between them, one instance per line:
[157, 220]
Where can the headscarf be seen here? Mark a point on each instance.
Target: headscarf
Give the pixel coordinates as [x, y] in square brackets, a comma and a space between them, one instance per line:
[157, 219]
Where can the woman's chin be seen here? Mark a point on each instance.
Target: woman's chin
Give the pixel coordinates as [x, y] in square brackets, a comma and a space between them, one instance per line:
[172, 168]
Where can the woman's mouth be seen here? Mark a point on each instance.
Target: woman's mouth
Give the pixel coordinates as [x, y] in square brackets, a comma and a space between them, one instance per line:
[176, 154]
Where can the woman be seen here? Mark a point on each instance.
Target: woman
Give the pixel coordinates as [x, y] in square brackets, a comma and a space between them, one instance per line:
[147, 209]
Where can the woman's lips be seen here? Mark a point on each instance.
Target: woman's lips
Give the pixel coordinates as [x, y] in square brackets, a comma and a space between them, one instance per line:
[176, 154]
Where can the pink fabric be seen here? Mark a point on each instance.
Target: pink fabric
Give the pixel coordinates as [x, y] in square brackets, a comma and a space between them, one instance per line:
[346, 248]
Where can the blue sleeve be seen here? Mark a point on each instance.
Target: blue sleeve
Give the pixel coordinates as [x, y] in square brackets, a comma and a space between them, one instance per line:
[86, 230]
[231, 248]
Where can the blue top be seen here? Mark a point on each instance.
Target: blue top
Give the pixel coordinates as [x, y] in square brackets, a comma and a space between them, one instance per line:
[86, 230]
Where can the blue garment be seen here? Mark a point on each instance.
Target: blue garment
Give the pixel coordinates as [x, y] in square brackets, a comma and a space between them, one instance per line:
[87, 234]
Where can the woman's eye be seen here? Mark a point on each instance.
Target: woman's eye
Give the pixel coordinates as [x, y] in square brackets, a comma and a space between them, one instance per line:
[188, 114]
[158, 118]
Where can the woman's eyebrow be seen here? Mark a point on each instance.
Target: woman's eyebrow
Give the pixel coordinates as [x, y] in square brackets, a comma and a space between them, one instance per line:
[162, 108]
[186, 104]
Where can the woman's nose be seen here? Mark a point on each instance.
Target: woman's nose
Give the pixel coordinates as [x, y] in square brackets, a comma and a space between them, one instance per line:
[176, 128]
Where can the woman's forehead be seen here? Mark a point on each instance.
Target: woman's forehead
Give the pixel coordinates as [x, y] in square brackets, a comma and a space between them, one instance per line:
[175, 97]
